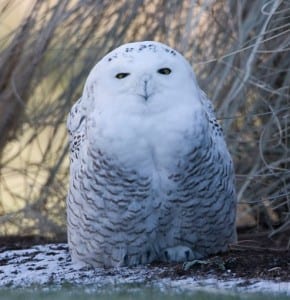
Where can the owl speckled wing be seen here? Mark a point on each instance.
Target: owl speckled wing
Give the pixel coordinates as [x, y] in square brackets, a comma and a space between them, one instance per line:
[76, 130]
[221, 189]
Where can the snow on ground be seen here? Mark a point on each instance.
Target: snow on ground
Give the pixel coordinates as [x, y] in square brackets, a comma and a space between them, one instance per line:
[50, 265]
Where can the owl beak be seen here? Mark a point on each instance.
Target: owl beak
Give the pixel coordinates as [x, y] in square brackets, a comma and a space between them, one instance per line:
[145, 87]
[145, 94]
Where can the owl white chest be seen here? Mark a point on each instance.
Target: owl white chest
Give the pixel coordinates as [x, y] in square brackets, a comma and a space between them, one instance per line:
[147, 143]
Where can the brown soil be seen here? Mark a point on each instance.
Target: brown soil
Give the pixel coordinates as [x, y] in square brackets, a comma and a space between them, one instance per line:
[254, 256]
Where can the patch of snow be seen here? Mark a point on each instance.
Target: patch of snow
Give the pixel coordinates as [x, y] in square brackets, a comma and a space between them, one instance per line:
[50, 265]
[232, 285]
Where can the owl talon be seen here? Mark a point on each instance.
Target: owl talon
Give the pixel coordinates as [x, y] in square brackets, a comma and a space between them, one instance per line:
[179, 254]
[189, 264]
[134, 260]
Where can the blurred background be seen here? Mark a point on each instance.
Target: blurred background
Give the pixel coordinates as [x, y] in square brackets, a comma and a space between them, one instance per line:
[238, 49]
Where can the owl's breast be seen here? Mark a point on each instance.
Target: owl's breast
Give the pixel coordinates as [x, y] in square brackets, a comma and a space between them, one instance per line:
[149, 143]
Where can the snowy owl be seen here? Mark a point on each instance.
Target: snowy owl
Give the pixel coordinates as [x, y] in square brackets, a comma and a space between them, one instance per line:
[150, 174]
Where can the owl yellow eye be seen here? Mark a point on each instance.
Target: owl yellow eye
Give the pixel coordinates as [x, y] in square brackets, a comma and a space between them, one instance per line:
[122, 75]
[164, 71]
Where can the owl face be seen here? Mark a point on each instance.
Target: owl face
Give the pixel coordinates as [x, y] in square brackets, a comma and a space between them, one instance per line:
[143, 76]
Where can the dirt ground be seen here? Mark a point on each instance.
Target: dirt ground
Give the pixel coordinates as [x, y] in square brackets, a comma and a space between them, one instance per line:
[254, 256]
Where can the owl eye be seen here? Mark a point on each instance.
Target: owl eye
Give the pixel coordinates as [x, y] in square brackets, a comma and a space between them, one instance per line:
[164, 71]
[122, 75]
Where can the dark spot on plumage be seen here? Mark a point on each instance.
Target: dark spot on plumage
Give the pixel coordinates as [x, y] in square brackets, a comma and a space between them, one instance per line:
[100, 153]
[168, 193]
[125, 259]
[142, 47]
[128, 50]
[168, 50]
[152, 47]
[166, 254]
[112, 57]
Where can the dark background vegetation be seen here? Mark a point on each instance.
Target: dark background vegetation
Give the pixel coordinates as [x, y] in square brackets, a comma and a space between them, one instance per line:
[239, 50]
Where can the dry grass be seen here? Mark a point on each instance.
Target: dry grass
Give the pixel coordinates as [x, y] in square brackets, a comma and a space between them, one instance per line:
[239, 49]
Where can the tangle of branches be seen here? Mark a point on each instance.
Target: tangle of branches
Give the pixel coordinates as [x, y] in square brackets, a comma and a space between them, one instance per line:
[239, 50]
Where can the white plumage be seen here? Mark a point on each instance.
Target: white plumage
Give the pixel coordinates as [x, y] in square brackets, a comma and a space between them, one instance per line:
[150, 176]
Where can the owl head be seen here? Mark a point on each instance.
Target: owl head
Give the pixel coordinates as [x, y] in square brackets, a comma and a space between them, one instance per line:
[142, 77]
